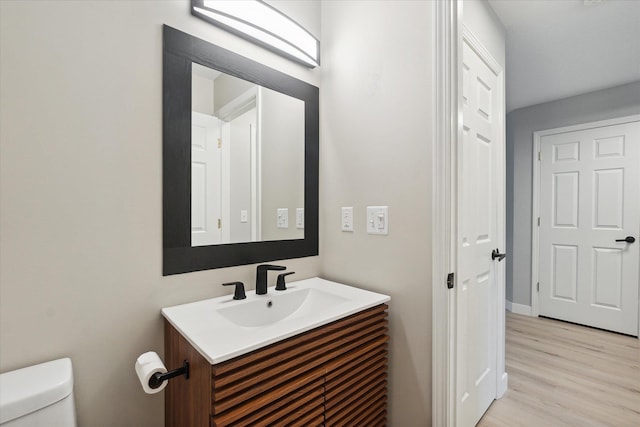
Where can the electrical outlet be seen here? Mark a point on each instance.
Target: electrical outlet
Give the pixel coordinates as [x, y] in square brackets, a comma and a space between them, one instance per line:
[347, 219]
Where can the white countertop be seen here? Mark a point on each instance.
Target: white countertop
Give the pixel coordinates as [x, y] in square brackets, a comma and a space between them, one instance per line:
[217, 338]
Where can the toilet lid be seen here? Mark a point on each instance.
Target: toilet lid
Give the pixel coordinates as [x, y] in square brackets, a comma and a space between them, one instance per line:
[32, 388]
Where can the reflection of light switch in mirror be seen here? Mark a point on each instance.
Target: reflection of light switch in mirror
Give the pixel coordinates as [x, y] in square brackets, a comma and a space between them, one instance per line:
[378, 220]
[282, 216]
[347, 219]
[299, 217]
[244, 216]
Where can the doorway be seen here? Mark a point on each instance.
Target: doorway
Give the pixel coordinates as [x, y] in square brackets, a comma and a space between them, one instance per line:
[468, 223]
[586, 259]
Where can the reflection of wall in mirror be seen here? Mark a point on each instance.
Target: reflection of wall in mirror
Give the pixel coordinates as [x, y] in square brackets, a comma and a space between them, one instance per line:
[282, 145]
[201, 94]
[228, 89]
[277, 123]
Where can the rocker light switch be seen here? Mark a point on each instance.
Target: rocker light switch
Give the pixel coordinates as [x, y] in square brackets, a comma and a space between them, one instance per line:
[299, 217]
[282, 217]
[378, 220]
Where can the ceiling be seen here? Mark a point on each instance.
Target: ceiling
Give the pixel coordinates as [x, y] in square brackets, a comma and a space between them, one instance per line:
[561, 48]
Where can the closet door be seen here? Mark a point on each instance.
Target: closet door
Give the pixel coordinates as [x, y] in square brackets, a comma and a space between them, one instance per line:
[590, 226]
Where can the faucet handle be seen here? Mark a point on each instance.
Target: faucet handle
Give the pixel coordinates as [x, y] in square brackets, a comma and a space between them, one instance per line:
[280, 284]
[239, 292]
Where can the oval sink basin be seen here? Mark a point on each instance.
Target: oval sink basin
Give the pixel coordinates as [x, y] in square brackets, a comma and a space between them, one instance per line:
[223, 328]
[279, 306]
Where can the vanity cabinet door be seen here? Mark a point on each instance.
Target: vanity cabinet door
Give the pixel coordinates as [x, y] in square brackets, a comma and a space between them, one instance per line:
[356, 382]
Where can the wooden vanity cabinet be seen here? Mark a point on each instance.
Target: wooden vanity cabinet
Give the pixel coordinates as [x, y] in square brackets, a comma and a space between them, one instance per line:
[334, 375]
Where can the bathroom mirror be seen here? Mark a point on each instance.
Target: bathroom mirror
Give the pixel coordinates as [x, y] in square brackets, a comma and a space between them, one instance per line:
[240, 159]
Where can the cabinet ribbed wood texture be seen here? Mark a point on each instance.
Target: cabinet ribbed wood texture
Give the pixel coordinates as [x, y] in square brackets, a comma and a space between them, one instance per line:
[334, 375]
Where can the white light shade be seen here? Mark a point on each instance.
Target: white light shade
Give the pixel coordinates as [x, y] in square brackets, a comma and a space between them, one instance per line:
[259, 22]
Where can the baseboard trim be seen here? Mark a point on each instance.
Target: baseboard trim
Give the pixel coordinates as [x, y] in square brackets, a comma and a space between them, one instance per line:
[502, 385]
[518, 308]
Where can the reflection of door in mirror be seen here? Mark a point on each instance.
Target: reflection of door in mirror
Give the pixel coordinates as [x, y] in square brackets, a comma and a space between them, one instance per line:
[241, 188]
[253, 169]
[225, 181]
[205, 180]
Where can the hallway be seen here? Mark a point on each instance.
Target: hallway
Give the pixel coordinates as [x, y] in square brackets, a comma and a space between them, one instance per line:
[561, 374]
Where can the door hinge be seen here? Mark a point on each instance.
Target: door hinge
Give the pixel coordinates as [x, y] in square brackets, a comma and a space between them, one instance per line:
[219, 143]
[219, 223]
[538, 221]
[450, 280]
[538, 287]
[539, 156]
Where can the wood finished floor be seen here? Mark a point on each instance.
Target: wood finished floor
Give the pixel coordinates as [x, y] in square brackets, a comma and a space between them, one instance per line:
[562, 374]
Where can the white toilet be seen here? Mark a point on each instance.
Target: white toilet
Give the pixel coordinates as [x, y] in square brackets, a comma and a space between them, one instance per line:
[38, 396]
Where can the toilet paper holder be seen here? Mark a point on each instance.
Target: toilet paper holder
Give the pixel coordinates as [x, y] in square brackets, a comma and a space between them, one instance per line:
[158, 378]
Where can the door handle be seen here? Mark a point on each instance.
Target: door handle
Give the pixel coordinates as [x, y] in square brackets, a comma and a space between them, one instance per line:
[628, 239]
[496, 254]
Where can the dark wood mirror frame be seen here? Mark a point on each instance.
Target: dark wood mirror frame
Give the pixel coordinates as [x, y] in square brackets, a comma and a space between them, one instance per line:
[179, 52]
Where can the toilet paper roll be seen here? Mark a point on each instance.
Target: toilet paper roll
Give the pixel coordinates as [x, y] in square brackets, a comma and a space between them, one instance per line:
[148, 364]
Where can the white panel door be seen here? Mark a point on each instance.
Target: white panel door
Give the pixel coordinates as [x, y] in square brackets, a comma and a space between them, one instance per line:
[589, 198]
[205, 180]
[480, 218]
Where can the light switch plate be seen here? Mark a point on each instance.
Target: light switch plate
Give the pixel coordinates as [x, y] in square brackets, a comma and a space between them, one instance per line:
[378, 220]
[244, 216]
[299, 217]
[346, 219]
[282, 217]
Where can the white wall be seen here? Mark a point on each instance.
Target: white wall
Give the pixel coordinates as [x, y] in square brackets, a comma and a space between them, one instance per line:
[376, 127]
[81, 192]
[604, 104]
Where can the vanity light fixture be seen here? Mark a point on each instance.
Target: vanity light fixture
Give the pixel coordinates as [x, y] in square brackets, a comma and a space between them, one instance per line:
[260, 23]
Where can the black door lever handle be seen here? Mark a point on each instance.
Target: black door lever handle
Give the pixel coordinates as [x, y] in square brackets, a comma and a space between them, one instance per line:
[496, 254]
[628, 239]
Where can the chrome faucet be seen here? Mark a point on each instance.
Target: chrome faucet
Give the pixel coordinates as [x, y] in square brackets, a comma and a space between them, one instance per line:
[261, 277]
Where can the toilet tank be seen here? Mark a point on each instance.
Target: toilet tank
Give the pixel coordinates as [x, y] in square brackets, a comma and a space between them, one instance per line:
[38, 396]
